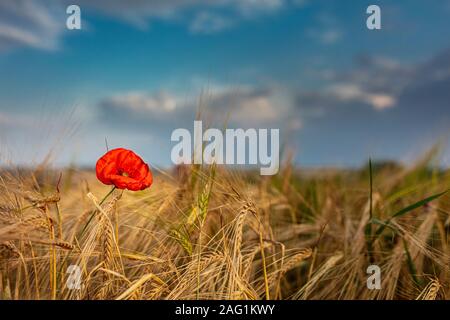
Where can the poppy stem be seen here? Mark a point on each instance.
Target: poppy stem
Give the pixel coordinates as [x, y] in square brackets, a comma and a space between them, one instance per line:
[87, 224]
[95, 211]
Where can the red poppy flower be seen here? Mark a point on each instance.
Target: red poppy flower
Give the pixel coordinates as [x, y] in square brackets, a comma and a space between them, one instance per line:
[124, 169]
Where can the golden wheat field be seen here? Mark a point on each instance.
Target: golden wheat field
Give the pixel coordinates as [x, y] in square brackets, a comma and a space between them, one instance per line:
[215, 233]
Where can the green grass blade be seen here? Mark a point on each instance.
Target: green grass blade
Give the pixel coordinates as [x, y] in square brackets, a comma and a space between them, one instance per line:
[368, 229]
[418, 204]
[407, 209]
[411, 266]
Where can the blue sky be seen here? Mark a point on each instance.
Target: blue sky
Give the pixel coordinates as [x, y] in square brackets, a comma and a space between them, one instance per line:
[139, 69]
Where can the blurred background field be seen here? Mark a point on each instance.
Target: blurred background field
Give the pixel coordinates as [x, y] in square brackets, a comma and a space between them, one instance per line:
[217, 233]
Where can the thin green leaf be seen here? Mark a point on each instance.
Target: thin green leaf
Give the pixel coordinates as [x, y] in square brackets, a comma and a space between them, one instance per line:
[410, 208]
[411, 266]
[368, 229]
[418, 204]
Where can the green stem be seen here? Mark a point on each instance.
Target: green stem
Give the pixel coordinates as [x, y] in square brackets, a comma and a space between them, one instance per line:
[86, 225]
[94, 212]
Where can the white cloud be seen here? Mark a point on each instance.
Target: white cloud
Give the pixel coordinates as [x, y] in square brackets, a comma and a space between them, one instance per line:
[140, 102]
[330, 36]
[252, 7]
[243, 105]
[373, 80]
[41, 23]
[326, 37]
[246, 105]
[352, 92]
[381, 101]
[327, 30]
[141, 12]
[30, 24]
[208, 23]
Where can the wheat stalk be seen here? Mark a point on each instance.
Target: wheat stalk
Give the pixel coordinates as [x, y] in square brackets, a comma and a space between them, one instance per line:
[431, 291]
